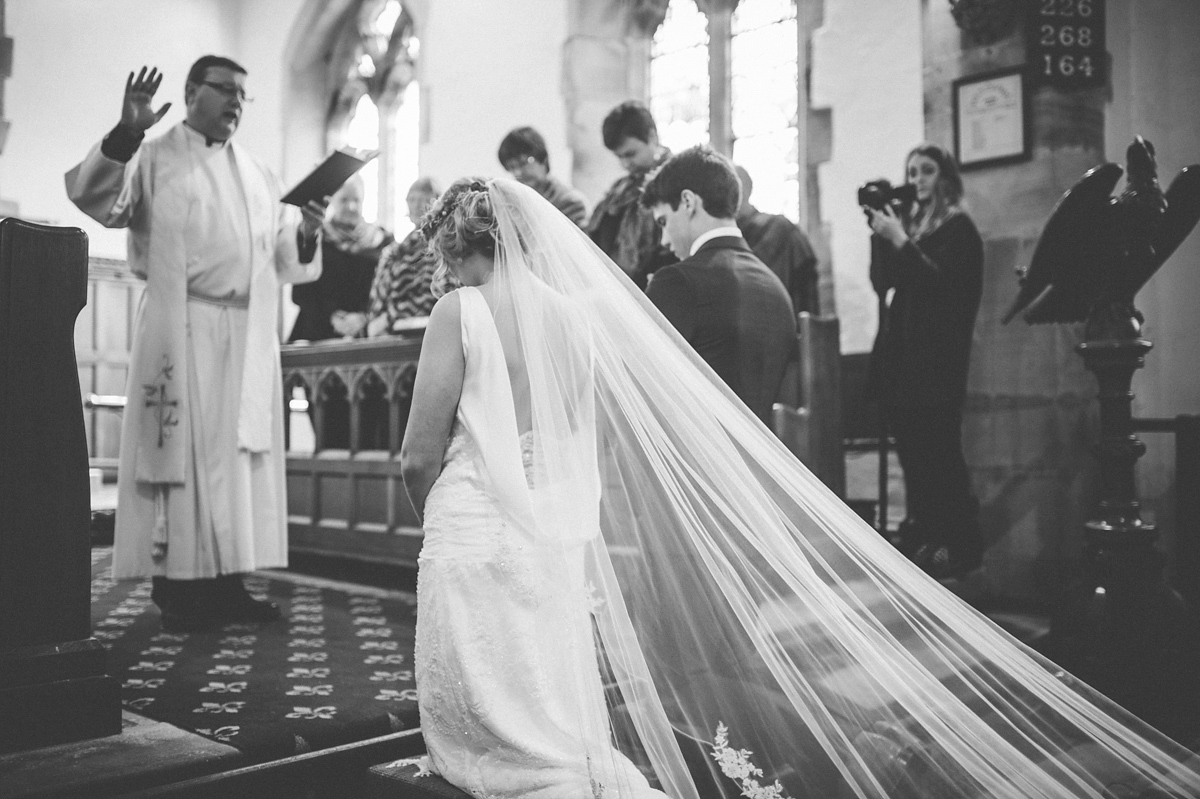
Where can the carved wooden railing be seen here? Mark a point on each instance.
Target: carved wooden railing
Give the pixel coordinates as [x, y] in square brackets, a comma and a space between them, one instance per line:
[346, 497]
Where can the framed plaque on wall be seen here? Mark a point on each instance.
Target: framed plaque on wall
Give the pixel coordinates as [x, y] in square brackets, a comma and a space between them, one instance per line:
[991, 118]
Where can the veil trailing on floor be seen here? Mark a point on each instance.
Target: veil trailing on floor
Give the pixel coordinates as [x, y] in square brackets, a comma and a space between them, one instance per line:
[754, 634]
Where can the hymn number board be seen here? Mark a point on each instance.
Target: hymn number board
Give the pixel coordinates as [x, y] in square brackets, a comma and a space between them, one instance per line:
[1066, 43]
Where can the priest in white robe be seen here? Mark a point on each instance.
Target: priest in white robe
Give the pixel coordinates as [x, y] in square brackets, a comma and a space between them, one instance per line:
[201, 491]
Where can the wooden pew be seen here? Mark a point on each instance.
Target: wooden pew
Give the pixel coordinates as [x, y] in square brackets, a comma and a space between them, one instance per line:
[53, 682]
[807, 418]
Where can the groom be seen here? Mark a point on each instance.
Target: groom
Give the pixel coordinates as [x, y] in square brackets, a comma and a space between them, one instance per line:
[721, 298]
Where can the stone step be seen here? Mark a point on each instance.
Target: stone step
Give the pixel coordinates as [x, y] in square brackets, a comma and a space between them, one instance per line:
[407, 779]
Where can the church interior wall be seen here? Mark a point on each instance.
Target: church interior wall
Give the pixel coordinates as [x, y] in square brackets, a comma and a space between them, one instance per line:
[867, 69]
[1032, 417]
[486, 68]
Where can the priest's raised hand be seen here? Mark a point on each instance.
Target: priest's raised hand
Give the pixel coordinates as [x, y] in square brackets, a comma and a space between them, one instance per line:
[137, 115]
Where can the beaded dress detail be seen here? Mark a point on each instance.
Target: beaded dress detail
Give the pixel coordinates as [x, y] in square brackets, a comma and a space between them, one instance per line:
[498, 653]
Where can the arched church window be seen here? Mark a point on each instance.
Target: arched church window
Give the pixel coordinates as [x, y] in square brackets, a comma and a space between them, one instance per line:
[362, 133]
[679, 77]
[378, 104]
[758, 41]
[764, 56]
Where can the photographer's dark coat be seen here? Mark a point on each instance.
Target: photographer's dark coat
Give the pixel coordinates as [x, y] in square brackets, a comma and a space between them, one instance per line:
[922, 351]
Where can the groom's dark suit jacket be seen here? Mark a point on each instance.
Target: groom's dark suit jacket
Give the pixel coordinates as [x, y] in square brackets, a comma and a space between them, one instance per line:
[735, 312]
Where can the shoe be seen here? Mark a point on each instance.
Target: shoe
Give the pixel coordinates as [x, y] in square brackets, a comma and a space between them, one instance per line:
[184, 605]
[941, 562]
[237, 605]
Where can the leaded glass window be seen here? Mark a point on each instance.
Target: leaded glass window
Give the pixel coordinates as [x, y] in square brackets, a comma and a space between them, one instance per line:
[764, 102]
[378, 106]
[762, 98]
[679, 77]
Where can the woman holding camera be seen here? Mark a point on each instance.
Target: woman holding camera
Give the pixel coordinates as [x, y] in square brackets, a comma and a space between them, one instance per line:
[931, 254]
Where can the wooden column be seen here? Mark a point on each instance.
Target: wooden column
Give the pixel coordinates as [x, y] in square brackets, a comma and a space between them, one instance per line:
[53, 686]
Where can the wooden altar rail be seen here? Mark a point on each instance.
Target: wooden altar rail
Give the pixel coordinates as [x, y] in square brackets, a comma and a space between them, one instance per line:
[346, 496]
[348, 501]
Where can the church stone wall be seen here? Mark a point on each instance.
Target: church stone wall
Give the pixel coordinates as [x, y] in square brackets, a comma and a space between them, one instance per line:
[866, 68]
[1030, 415]
[486, 68]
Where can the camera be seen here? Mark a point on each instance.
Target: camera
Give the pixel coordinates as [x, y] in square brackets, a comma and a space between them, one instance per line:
[879, 193]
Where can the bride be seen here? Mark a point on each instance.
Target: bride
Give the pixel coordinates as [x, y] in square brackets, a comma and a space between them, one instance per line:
[629, 588]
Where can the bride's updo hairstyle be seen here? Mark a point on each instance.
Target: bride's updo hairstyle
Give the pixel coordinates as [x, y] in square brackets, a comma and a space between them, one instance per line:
[459, 224]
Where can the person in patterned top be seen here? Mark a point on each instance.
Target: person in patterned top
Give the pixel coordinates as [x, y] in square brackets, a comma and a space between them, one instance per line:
[402, 287]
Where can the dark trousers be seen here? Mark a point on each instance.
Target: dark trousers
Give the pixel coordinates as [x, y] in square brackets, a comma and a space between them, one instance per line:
[937, 486]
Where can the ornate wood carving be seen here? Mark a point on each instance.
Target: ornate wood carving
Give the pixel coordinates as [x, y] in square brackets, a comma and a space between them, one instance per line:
[347, 498]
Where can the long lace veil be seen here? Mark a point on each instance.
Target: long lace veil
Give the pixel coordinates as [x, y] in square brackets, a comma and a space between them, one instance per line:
[751, 629]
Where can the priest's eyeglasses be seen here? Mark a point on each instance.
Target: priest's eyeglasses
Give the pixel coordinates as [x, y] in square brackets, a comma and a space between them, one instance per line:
[229, 91]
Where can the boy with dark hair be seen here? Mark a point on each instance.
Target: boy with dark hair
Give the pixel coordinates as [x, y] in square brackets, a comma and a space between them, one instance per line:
[523, 155]
[723, 300]
[620, 225]
[629, 120]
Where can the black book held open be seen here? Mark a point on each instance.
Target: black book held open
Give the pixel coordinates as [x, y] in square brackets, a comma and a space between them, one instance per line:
[329, 176]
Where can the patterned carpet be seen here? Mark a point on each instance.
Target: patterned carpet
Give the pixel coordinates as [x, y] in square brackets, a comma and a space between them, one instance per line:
[337, 668]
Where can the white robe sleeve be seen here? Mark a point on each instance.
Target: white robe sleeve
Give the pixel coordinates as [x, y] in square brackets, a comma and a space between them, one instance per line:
[106, 190]
[288, 268]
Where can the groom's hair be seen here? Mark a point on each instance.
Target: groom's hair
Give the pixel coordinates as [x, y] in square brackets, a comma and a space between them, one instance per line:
[702, 170]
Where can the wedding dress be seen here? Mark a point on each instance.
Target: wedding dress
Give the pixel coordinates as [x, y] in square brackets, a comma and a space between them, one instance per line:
[629, 585]
[501, 663]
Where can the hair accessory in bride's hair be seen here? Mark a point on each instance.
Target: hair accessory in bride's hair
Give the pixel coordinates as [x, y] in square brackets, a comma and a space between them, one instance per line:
[445, 205]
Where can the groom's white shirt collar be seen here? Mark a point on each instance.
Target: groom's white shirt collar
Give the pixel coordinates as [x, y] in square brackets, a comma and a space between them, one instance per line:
[715, 233]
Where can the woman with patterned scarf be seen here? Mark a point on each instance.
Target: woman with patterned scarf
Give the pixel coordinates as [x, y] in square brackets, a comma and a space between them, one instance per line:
[402, 288]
